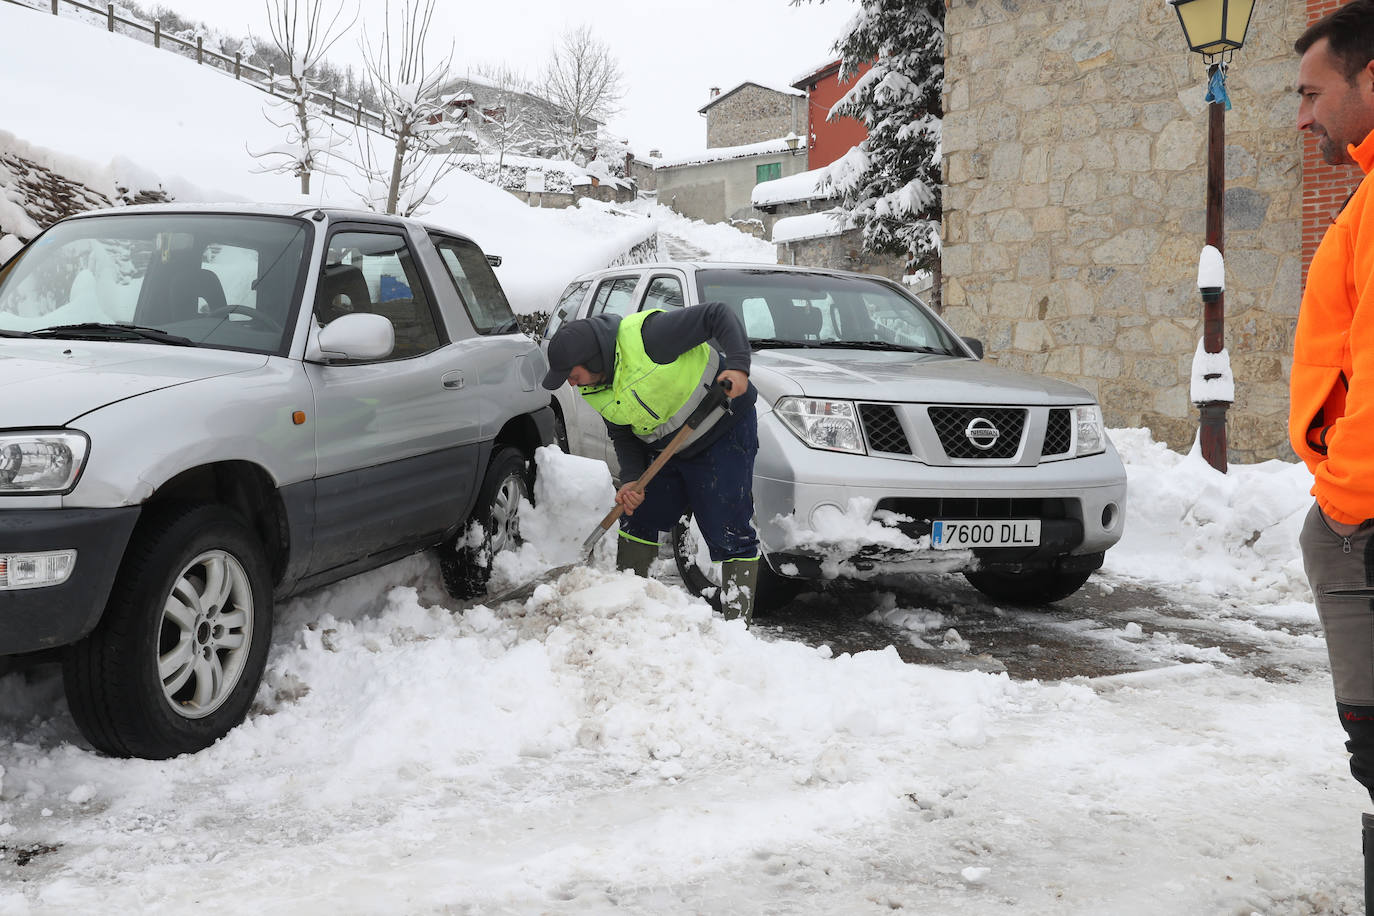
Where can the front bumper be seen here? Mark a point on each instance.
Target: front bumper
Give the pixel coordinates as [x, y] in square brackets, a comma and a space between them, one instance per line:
[1081, 503]
[42, 618]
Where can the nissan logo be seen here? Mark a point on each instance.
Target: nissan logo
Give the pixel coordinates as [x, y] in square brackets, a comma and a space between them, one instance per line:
[981, 433]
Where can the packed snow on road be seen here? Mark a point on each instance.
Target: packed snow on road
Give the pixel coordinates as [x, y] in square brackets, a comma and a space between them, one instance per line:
[609, 744]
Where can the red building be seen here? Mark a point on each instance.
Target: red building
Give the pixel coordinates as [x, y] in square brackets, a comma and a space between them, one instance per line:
[828, 140]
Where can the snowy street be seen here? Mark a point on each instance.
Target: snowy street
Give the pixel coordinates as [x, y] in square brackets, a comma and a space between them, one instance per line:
[610, 746]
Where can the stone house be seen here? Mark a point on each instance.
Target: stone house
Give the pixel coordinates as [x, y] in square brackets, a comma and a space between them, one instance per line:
[751, 113]
[716, 185]
[1075, 137]
[753, 134]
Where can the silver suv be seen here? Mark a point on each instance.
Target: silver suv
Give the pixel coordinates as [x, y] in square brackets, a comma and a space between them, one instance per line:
[211, 409]
[886, 445]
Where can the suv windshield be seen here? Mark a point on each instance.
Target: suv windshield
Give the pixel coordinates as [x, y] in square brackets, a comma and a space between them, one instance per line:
[208, 279]
[787, 308]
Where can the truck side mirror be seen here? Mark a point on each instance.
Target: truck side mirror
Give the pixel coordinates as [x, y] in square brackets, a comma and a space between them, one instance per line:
[974, 344]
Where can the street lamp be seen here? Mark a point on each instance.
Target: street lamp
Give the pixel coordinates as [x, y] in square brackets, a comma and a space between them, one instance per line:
[1215, 29]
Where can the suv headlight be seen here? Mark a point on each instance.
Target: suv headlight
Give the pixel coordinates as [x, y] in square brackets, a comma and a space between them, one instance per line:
[41, 461]
[1089, 435]
[832, 425]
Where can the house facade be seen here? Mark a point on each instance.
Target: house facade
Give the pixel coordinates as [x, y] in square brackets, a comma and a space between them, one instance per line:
[717, 185]
[1075, 146]
[754, 133]
[752, 113]
[828, 139]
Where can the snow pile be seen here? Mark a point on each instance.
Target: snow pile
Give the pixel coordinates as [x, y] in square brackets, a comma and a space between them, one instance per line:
[1232, 536]
[787, 144]
[810, 226]
[808, 185]
[609, 743]
[717, 241]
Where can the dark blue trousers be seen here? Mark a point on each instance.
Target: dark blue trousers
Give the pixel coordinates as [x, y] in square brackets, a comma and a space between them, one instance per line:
[717, 485]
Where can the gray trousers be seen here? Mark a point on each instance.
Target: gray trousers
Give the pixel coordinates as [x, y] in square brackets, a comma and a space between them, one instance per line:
[1333, 563]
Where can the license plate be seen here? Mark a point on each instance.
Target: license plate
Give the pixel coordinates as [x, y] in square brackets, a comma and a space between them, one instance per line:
[961, 535]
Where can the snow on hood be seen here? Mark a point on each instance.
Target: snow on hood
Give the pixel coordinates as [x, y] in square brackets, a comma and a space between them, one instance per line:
[51, 383]
[902, 377]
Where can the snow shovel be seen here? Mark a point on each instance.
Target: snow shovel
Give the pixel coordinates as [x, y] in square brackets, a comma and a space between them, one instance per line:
[716, 398]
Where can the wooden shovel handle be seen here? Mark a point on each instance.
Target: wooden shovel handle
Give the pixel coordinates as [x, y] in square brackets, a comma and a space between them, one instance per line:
[713, 400]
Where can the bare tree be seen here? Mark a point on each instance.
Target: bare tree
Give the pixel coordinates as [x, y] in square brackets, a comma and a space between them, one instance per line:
[414, 113]
[303, 31]
[507, 123]
[582, 79]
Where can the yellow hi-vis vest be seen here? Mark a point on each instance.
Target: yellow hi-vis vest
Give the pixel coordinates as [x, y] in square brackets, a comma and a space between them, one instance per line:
[653, 399]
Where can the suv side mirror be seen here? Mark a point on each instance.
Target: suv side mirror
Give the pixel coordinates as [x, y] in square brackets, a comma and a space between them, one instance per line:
[974, 344]
[361, 335]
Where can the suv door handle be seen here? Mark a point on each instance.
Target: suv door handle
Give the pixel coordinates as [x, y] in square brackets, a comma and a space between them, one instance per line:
[453, 379]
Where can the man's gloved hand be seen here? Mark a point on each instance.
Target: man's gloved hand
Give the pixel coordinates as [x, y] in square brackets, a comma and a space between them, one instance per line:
[739, 382]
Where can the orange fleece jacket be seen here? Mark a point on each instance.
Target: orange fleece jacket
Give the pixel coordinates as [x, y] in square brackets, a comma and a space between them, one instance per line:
[1331, 406]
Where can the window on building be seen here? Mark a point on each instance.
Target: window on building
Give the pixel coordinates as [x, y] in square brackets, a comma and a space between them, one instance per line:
[767, 172]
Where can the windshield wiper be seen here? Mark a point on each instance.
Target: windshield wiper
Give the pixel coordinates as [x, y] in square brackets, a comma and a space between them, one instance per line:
[96, 330]
[880, 345]
[765, 343]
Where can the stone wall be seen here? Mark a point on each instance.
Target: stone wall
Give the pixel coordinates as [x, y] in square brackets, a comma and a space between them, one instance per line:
[841, 252]
[753, 114]
[1075, 151]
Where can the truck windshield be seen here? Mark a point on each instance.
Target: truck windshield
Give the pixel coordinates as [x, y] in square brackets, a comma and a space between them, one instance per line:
[782, 308]
[213, 280]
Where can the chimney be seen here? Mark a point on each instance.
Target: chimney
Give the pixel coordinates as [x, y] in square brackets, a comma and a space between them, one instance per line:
[715, 91]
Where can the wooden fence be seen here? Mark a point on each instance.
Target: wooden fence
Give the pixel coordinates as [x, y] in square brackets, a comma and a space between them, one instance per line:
[263, 80]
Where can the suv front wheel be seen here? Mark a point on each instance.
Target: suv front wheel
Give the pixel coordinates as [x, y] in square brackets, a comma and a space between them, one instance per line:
[177, 656]
[465, 561]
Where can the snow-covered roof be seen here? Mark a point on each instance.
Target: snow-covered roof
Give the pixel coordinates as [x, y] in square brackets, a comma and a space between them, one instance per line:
[809, 226]
[801, 186]
[718, 153]
[815, 73]
[729, 92]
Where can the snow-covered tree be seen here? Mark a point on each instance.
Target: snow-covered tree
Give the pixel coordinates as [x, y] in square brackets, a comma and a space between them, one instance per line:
[889, 185]
[414, 112]
[582, 80]
[507, 118]
[302, 31]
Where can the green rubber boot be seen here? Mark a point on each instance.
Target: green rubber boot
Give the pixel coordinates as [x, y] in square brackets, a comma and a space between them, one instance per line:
[636, 555]
[739, 584]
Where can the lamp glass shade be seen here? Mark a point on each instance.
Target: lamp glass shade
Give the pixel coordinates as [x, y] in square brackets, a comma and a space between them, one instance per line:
[1214, 26]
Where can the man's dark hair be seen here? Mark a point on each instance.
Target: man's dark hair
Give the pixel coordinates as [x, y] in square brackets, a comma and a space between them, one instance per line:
[1349, 31]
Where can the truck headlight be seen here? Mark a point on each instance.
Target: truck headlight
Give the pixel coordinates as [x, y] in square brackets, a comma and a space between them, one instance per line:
[41, 461]
[1089, 435]
[832, 425]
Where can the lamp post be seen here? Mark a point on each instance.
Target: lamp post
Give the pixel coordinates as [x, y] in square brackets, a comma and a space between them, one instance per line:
[1214, 29]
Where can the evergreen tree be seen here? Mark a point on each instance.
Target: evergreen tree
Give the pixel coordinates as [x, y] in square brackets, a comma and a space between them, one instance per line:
[889, 185]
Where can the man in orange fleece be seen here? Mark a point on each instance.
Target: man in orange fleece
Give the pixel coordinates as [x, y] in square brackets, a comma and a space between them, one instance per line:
[1331, 414]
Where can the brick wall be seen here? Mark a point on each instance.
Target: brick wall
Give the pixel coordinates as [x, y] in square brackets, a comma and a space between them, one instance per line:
[1324, 187]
